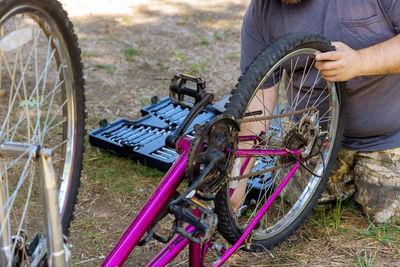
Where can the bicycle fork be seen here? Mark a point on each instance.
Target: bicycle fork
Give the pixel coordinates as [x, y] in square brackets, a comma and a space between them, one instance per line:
[56, 250]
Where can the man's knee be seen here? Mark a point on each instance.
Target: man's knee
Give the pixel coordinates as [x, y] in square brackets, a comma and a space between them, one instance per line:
[341, 182]
[377, 178]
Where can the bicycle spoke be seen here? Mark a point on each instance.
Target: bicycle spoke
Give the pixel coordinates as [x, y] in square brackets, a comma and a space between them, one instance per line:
[27, 110]
[11, 200]
[24, 211]
[55, 125]
[12, 102]
[55, 115]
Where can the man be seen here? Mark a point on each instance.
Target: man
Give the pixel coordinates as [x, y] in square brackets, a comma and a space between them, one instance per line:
[367, 42]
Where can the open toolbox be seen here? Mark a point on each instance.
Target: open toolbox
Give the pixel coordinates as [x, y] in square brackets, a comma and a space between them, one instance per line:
[144, 139]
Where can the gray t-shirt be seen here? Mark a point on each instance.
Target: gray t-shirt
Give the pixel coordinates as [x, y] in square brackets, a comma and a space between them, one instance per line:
[373, 116]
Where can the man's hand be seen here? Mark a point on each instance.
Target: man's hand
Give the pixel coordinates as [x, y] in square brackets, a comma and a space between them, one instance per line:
[340, 65]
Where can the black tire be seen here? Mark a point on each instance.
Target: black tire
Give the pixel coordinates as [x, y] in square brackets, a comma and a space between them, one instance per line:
[287, 57]
[50, 109]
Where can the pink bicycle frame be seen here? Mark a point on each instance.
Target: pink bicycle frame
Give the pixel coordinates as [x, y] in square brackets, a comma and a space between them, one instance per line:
[160, 198]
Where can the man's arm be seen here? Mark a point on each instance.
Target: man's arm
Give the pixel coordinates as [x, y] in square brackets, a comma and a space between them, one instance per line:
[346, 63]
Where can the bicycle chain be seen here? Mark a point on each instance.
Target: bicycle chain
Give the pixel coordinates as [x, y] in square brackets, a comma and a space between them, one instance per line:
[278, 116]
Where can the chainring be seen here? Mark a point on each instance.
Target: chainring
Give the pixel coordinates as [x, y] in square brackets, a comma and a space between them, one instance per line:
[220, 135]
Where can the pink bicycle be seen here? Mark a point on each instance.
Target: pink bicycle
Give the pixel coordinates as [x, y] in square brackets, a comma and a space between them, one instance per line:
[254, 172]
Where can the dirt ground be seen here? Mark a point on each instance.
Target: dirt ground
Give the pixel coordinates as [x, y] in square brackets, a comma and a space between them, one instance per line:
[131, 49]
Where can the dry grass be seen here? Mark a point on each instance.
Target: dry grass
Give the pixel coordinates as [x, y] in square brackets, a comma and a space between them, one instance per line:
[130, 50]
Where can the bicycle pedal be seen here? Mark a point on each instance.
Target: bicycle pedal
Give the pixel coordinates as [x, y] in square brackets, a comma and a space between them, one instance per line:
[192, 212]
[179, 89]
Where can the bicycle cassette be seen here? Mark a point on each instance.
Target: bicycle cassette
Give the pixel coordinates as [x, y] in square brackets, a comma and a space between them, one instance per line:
[217, 138]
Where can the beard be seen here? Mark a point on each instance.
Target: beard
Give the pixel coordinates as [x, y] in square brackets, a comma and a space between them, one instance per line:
[290, 1]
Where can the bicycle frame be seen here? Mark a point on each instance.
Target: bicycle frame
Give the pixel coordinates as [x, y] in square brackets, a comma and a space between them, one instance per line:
[160, 198]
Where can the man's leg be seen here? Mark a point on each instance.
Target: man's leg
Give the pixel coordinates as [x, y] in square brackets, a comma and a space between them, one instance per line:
[263, 101]
[377, 178]
[341, 182]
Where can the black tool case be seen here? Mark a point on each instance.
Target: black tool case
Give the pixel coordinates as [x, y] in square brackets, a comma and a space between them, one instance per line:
[144, 139]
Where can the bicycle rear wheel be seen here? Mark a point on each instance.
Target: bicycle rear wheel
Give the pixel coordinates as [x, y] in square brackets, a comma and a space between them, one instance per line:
[305, 113]
[41, 105]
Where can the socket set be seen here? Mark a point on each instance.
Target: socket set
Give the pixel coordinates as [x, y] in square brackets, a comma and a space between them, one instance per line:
[144, 139]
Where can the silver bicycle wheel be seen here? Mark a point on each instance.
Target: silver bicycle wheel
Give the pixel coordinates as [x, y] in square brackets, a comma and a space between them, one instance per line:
[41, 106]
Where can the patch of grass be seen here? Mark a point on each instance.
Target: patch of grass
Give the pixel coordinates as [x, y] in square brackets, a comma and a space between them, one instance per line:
[144, 101]
[194, 67]
[205, 41]
[130, 53]
[92, 121]
[198, 67]
[293, 259]
[282, 254]
[249, 213]
[363, 260]
[28, 103]
[94, 235]
[388, 232]
[337, 215]
[148, 171]
[322, 221]
[117, 175]
[180, 56]
[221, 35]
[233, 56]
[108, 68]
[96, 241]
[329, 219]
